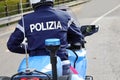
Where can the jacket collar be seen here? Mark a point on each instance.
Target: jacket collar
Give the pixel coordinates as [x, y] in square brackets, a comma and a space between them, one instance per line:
[43, 8]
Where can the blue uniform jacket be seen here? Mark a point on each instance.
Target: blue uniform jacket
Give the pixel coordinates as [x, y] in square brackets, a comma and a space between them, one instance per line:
[44, 23]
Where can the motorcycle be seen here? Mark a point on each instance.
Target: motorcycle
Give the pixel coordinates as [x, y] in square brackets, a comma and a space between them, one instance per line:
[50, 67]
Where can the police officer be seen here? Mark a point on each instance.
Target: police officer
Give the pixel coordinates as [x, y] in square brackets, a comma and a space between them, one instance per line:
[45, 22]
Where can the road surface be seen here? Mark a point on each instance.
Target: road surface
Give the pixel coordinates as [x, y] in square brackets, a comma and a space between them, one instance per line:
[102, 47]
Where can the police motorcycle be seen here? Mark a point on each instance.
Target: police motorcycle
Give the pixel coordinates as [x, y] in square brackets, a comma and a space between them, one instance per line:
[50, 67]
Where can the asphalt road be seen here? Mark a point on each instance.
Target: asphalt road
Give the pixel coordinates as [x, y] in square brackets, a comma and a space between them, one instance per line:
[9, 62]
[102, 48]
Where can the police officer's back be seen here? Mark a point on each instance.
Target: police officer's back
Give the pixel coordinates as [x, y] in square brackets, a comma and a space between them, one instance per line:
[45, 22]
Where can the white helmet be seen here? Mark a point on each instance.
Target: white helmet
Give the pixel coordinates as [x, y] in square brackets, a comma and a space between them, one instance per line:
[36, 3]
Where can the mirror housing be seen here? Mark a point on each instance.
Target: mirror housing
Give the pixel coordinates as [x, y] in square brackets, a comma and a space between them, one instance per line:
[88, 30]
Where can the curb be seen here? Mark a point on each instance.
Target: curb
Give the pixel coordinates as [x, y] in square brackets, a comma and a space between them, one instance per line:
[71, 4]
[77, 2]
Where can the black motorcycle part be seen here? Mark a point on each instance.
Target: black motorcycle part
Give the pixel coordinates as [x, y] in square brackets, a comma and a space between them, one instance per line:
[4, 78]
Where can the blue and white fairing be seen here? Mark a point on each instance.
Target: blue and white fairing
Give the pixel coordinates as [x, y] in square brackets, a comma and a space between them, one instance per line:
[42, 63]
[79, 62]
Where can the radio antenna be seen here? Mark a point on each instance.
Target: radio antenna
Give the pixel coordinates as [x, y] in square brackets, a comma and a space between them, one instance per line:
[25, 39]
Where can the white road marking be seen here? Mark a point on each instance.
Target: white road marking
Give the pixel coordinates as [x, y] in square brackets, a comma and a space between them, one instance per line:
[98, 19]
